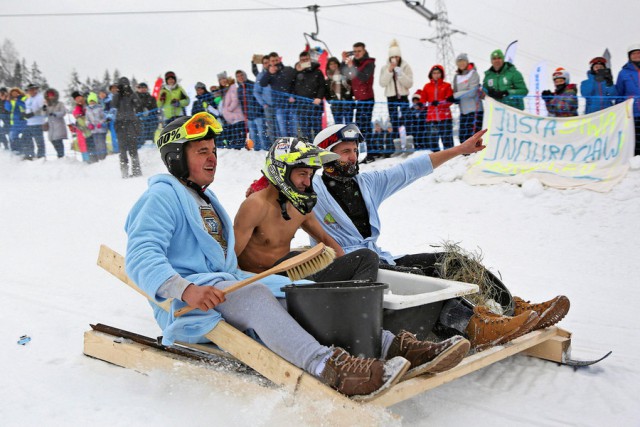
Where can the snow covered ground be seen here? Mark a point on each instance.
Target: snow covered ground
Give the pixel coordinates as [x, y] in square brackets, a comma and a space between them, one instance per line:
[544, 242]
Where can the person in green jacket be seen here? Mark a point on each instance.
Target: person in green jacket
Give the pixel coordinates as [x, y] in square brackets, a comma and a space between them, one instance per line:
[172, 98]
[503, 82]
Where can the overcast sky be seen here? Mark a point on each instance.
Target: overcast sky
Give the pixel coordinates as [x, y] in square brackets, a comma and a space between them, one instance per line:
[199, 45]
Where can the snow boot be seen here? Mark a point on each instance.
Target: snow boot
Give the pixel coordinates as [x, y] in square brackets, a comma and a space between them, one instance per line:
[487, 329]
[397, 147]
[357, 376]
[124, 170]
[550, 312]
[428, 357]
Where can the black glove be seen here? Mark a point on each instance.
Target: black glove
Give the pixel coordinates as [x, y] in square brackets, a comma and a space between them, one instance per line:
[44, 108]
[492, 93]
[547, 94]
[608, 78]
[451, 99]
[52, 114]
[504, 94]
[434, 102]
[29, 115]
[175, 103]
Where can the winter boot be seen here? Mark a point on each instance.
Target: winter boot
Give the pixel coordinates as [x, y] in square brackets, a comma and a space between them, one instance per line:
[135, 165]
[124, 170]
[487, 329]
[550, 312]
[428, 357]
[397, 147]
[357, 376]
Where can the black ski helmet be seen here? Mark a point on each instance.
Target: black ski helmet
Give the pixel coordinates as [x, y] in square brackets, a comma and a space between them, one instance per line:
[171, 142]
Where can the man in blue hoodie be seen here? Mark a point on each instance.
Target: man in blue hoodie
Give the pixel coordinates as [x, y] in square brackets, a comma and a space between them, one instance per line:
[181, 246]
[628, 86]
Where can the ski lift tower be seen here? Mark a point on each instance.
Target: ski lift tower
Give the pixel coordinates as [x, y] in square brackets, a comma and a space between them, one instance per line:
[442, 39]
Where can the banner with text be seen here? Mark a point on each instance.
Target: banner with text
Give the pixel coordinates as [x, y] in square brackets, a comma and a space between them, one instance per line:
[590, 151]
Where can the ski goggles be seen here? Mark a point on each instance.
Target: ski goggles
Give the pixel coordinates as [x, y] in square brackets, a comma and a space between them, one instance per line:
[194, 128]
[199, 125]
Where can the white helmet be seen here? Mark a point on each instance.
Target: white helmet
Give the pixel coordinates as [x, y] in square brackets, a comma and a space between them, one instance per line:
[635, 46]
[334, 134]
[561, 73]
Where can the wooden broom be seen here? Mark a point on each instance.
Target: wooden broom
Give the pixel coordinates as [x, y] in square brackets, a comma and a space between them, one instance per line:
[297, 267]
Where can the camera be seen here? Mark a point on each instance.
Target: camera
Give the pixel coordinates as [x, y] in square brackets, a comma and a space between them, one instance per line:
[350, 53]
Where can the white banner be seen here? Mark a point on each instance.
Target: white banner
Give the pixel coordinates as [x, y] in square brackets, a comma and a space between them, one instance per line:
[590, 151]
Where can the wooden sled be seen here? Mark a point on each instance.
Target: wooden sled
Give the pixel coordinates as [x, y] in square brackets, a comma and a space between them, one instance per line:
[550, 344]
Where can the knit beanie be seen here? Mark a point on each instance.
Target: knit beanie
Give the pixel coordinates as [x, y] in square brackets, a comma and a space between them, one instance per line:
[394, 49]
[497, 54]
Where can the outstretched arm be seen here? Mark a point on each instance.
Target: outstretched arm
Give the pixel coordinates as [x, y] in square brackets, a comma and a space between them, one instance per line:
[470, 146]
[315, 230]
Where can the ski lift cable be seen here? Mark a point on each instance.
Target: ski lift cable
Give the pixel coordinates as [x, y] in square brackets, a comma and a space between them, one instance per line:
[160, 12]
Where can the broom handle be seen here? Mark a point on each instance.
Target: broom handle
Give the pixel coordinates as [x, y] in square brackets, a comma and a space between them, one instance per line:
[284, 266]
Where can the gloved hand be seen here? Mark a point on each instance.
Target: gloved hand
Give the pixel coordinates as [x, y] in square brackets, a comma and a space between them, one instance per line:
[52, 115]
[44, 108]
[108, 120]
[492, 92]
[451, 99]
[547, 94]
[28, 115]
[504, 94]
[91, 127]
[434, 102]
[175, 102]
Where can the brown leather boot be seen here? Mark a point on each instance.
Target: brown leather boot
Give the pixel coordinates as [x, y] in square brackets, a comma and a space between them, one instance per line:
[428, 357]
[357, 376]
[550, 312]
[487, 329]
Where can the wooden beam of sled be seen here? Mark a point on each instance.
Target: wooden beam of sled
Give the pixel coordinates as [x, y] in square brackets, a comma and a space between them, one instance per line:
[245, 349]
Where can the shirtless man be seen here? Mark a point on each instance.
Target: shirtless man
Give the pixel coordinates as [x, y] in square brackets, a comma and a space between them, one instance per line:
[268, 220]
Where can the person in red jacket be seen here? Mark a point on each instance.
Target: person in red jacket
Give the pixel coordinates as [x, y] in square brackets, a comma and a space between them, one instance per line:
[437, 95]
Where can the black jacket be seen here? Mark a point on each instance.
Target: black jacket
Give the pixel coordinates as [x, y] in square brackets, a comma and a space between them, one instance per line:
[310, 82]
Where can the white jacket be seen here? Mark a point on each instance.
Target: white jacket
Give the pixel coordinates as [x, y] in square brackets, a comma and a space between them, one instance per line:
[34, 105]
[404, 79]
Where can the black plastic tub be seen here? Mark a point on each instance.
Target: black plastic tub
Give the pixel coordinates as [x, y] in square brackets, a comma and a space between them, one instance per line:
[344, 314]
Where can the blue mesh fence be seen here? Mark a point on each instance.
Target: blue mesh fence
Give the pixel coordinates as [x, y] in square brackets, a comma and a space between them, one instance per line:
[388, 127]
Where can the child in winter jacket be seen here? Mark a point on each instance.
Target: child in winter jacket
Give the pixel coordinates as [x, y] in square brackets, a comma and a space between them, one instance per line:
[564, 101]
[96, 122]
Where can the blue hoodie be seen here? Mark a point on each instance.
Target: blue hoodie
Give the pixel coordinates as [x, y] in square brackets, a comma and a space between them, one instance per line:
[376, 187]
[167, 237]
[628, 85]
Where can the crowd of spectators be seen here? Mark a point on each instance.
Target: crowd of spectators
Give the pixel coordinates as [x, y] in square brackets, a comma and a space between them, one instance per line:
[301, 100]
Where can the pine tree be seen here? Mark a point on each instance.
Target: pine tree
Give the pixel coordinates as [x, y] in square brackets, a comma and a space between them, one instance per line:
[116, 76]
[106, 80]
[134, 82]
[74, 84]
[26, 74]
[16, 79]
[38, 78]
[8, 56]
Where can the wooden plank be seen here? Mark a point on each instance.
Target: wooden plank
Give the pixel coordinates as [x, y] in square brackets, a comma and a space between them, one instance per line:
[144, 359]
[553, 349]
[415, 386]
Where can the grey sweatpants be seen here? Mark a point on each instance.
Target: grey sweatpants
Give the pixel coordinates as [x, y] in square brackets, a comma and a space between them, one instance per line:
[255, 307]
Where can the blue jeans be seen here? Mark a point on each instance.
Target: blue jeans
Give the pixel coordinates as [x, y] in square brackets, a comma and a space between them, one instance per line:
[286, 119]
[33, 132]
[257, 133]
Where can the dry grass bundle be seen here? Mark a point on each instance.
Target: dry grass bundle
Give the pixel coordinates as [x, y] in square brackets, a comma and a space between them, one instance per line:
[466, 266]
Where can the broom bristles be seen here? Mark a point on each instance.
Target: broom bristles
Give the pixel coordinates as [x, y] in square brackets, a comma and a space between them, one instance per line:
[312, 266]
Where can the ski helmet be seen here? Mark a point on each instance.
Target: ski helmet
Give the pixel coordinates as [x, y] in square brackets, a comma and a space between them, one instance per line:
[561, 73]
[598, 60]
[171, 140]
[334, 134]
[287, 154]
[631, 48]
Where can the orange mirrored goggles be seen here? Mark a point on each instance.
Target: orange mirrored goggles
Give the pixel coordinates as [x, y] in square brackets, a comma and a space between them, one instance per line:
[198, 126]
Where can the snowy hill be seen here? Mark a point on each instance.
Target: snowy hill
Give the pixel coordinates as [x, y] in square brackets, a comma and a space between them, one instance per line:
[544, 242]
